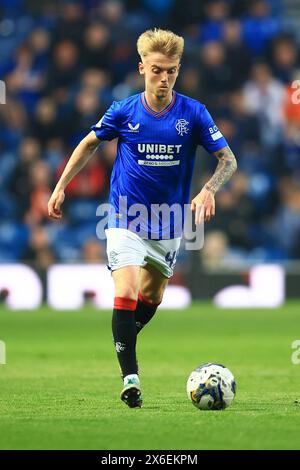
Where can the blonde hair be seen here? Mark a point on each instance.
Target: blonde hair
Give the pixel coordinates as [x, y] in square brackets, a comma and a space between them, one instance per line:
[160, 40]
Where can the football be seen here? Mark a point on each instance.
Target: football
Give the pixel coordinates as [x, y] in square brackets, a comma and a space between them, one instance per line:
[211, 387]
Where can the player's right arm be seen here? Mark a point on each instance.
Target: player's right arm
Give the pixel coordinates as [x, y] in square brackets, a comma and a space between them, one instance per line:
[105, 129]
[79, 158]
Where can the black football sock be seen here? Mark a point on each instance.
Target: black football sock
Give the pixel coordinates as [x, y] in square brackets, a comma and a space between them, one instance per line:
[144, 311]
[124, 334]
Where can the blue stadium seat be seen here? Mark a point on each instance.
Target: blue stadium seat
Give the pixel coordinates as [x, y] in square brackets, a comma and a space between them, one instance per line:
[83, 211]
[8, 208]
[13, 238]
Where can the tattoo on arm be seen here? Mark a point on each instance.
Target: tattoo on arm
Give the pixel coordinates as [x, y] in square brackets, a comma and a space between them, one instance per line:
[226, 167]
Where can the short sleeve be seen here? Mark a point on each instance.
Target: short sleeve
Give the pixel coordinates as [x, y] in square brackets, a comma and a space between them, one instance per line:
[107, 128]
[209, 135]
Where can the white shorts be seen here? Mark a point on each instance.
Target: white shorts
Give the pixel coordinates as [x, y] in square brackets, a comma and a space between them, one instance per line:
[126, 248]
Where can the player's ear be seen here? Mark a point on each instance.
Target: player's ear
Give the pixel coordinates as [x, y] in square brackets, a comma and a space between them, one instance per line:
[141, 68]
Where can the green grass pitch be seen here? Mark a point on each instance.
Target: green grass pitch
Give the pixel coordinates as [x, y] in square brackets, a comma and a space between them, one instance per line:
[60, 387]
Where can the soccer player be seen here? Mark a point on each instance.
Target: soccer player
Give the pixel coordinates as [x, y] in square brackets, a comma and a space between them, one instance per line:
[158, 132]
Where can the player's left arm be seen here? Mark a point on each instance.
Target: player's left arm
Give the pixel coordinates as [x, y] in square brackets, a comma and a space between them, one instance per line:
[204, 203]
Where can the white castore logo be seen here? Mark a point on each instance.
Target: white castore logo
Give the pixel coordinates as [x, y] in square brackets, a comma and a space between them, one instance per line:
[181, 126]
[133, 128]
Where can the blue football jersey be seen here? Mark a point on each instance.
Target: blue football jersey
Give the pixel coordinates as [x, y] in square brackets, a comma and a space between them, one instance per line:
[155, 158]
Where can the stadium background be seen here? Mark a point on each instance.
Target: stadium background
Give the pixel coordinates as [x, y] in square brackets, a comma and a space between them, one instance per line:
[62, 63]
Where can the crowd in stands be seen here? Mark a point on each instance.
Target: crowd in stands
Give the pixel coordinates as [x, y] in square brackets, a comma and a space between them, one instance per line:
[64, 62]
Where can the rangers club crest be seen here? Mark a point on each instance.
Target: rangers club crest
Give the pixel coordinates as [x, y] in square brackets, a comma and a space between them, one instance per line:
[181, 126]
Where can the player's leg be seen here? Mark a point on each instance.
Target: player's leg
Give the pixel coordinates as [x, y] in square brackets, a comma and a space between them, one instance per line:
[126, 253]
[126, 282]
[152, 287]
[161, 260]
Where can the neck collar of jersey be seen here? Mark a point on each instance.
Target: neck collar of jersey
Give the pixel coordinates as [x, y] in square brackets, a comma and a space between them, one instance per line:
[163, 111]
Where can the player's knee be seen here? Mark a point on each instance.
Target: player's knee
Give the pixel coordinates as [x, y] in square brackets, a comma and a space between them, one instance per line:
[127, 292]
[153, 297]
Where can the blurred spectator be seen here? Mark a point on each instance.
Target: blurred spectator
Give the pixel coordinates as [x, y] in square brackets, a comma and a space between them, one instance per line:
[40, 192]
[235, 212]
[264, 98]
[215, 14]
[287, 216]
[248, 123]
[64, 69]
[93, 251]
[71, 22]
[95, 79]
[133, 83]
[216, 76]
[38, 251]
[45, 124]
[213, 253]
[242, 129]
[189, 82]
[216, 252]
[229, 129]
[97, 46]
[86, 110]
[13, 119]
[39, 43]
[237, 54]
[54, 153]
[29, 153]
[284, 58]
[112, 13]
[259, 26]
[26, 80]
